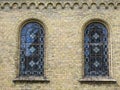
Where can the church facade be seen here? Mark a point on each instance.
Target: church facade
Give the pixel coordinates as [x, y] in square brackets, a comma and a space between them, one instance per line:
[59, 44]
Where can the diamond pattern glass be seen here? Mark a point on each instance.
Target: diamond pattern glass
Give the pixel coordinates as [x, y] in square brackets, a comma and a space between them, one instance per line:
[96, 63]
[32, 63]
[32, 50]
[95, 50]
[96, 36]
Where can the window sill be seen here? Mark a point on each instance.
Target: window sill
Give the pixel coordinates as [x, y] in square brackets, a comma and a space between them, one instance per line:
[31, 79]
[98, 79]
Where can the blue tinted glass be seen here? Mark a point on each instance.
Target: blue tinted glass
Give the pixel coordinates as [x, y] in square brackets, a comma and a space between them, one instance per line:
[95, 50]
[32, 50]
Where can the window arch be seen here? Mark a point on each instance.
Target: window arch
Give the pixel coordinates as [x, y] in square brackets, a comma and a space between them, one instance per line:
[96, 50]
[32, 49]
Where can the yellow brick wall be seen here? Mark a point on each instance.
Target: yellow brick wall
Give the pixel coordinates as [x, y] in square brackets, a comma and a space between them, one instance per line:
[64, 23]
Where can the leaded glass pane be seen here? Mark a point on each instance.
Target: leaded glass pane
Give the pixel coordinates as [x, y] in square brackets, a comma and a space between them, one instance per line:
[95, 50]
[32, 50]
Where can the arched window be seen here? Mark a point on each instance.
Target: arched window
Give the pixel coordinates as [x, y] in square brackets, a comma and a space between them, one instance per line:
[32, 50]
[96, 50]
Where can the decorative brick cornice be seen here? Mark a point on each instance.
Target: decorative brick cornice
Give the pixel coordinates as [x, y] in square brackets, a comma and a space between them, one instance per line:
[61, 4]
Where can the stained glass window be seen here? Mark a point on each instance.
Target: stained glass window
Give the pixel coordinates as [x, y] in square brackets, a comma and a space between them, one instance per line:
[96, 50]
[32, 50]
